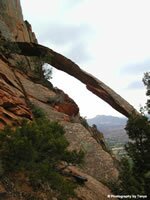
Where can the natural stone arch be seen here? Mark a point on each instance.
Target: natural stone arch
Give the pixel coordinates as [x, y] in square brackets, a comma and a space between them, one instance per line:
[62, 63]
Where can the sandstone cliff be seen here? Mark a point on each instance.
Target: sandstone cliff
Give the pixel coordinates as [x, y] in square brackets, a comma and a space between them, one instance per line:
[20, 85]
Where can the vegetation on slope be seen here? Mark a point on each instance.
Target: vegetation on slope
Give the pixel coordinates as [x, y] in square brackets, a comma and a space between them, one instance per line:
[36, 148]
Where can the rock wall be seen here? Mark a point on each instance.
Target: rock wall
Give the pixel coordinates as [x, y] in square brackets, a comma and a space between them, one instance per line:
[12, 25]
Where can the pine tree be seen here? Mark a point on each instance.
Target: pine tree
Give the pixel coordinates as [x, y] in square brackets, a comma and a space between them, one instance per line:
[138, 149]
[135, 170]
[146, 81]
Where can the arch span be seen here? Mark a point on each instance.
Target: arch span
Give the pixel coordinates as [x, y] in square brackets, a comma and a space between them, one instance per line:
[62, 63]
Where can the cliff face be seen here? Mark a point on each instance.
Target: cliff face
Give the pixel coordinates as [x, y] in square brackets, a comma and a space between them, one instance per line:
[19, 86]
[12, 27]
[11, 22]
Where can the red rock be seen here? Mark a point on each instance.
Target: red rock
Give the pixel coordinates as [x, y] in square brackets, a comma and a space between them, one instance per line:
[12, 108]
[67, 108]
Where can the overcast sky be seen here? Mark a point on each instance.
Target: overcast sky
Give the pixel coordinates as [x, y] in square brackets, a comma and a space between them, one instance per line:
[109, 39]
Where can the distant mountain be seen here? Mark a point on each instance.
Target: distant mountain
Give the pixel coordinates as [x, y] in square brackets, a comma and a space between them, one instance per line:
[107, 119]
[112, 127]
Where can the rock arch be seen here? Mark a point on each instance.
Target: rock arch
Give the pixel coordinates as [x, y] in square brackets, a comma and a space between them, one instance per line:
[62, 63]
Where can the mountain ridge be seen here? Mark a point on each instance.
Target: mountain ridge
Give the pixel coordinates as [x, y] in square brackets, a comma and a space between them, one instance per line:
[107, 119]
[110, 126]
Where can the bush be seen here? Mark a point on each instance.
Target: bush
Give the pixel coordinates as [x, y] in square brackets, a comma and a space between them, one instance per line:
[74, 156]
[84, 122]
[36, 148]
[37, 112]
[134, 168]
[21, 65]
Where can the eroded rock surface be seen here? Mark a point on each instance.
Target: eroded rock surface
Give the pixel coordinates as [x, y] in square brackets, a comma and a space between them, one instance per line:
[98, 163]
[12, 25]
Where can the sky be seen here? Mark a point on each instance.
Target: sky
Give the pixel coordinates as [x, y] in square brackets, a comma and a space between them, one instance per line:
[109, 39]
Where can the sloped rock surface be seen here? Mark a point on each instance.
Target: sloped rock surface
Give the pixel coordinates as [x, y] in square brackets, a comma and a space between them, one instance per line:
[92, 190]
[18, 187]
[97, 163]
[12, 103]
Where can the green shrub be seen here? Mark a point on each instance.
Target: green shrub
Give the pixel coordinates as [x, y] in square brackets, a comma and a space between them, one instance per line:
[84, 122]
[36, 148]
[74, 156]
[37, 112]
[58, 98]
[21, 65]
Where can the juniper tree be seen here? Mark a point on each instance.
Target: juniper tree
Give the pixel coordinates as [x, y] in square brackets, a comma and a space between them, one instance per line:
[135, 170]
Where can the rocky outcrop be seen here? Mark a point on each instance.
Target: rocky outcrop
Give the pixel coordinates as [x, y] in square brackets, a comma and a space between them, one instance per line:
[14, 28]
[12, 25]
[13, 106]
[63, 103]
